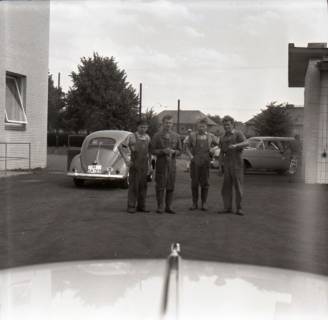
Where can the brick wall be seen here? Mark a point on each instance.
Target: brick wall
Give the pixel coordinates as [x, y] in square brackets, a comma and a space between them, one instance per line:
[24, 31]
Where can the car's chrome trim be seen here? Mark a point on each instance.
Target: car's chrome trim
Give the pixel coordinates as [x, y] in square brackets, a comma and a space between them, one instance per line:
[170, 299]
[96, 176]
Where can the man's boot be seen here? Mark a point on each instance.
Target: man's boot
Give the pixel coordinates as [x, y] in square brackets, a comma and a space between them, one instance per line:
[204, 194]
[160, 200]
[168, 202]
[194, 193]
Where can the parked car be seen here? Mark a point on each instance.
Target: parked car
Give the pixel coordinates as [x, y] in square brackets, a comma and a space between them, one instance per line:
[268, 153]
[160, 289]
[101, 158]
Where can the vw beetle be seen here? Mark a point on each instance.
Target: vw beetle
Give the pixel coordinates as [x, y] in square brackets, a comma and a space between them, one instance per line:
[102, 157]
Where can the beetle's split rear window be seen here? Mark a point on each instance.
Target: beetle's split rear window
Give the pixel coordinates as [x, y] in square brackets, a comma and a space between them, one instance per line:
[102, 142]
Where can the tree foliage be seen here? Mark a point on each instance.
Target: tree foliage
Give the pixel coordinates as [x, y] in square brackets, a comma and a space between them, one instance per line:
[216, 118]
[273, 121]
[154, 124]
[56, 105]
[100, 98]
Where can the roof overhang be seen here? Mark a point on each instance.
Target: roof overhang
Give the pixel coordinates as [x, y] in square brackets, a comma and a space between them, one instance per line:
[298, 60]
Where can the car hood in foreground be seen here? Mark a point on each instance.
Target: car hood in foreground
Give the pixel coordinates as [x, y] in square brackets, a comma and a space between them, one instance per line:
[133, 289]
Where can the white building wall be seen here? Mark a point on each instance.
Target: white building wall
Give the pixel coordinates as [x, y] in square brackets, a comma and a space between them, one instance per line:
[315, 124]
[322, 172]
[2, 80]
[24, 39]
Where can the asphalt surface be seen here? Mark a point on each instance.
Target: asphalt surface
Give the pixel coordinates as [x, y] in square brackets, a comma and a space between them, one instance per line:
[45, 218]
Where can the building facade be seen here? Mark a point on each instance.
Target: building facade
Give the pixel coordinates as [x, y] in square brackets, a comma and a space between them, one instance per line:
[308, 68]
[188, 120]
[24, 55]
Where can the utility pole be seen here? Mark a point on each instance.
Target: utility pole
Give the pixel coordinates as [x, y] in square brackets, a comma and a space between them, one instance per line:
[140, 99]
[58, 101]
[178, 117]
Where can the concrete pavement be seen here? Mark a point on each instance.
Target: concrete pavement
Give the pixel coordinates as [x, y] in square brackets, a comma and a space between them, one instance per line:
[44, 218]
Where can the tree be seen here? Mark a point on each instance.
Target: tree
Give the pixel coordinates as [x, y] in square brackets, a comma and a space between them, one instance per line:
[216, 118]
[273, 121]
[56, 105]
[100, 97]
[153, 121]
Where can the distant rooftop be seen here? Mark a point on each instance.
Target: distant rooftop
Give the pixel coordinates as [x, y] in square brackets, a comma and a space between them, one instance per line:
[298, 60]
[186, 116]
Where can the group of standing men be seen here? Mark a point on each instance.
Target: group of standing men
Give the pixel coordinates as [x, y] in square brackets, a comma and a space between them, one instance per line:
[166, 146]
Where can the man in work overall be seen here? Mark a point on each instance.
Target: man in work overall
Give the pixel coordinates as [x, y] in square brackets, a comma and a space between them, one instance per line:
[165, 145]
[198, 148]
[232, 144]
[139, 144]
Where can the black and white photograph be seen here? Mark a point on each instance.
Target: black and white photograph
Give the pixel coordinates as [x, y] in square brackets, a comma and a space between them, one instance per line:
[164, 159]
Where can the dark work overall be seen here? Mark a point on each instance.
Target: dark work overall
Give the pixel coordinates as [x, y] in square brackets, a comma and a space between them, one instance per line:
[165, 171]
[138, 174]
[199, 169]
[233, 172]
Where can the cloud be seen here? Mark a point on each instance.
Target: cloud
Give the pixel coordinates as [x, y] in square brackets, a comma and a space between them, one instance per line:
[220, 55]
[193, 33]
[148, 59]
[163, 10]
[207, 57]
[258, 23]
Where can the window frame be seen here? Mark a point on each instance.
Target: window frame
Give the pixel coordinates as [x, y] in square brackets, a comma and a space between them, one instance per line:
[16, 79]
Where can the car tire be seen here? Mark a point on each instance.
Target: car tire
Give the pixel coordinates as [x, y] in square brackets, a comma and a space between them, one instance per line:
[125, 183]
[78, 182]
[282, 172]
[247, 166]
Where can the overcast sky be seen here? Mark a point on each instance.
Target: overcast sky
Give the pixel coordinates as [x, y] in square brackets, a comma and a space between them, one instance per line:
[221, 57]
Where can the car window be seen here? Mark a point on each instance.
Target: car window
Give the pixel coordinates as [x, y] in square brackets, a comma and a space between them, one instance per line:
[286, 144]
[254, 143]
[273, 145]
[107, 143]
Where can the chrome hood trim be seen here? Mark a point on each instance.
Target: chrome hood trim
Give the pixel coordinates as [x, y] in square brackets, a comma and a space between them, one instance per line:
[171, 289]
[133, 289]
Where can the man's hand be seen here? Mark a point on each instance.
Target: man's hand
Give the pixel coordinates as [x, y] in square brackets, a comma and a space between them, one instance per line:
[168, 151]
[213, 149]
[233, 147]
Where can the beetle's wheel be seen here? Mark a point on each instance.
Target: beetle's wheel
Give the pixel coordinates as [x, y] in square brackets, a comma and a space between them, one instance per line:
[78, 182]
[125, 182]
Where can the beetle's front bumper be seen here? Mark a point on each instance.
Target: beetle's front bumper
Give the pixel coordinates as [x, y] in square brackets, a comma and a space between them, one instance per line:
[96, 176]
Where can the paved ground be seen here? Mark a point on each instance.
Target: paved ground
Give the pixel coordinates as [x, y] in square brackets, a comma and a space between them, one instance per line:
[44, 218]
